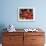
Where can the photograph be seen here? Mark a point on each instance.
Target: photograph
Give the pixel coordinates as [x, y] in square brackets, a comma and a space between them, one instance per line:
[26, 14]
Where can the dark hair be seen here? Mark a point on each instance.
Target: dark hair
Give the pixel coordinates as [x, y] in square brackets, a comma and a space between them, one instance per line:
[30, 10]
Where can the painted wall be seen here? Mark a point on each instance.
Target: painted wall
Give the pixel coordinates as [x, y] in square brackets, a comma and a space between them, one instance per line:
[9, 12]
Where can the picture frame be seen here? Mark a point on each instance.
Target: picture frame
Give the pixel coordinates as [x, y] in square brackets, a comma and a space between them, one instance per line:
[26, 14]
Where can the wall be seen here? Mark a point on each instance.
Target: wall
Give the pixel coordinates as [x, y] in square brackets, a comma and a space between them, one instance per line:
[9, 12]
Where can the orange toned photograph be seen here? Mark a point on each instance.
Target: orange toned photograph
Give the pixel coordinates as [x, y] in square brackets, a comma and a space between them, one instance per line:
[26, 14]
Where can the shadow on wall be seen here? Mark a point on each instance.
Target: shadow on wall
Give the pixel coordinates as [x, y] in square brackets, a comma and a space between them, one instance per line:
[2, 26]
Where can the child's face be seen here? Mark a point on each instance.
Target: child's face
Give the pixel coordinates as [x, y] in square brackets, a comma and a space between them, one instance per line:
[25, 13]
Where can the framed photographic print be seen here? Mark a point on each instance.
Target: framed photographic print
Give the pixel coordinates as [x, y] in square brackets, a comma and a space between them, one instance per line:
[26, 14]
